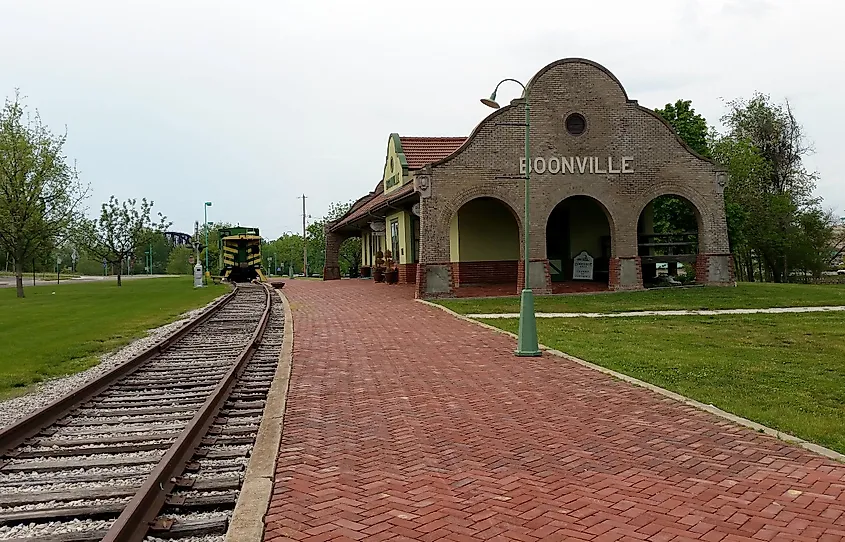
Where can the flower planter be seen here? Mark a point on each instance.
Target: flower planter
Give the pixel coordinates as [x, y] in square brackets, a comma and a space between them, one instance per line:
[392, 276]
[366, 272]
[378, 275]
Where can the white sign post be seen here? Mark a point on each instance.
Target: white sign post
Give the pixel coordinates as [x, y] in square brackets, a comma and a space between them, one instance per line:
[582, 267]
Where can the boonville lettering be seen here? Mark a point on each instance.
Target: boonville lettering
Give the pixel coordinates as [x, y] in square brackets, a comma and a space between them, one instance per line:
[579, 164]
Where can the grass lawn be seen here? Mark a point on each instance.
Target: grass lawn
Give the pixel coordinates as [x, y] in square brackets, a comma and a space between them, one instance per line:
[786, 371]
[744, 296]
[46, 335]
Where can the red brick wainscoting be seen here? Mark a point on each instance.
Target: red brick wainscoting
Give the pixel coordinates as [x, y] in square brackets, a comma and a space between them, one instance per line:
[408, 273]
[490, 272]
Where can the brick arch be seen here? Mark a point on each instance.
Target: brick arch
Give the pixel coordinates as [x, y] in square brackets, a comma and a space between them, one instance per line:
[708, 217]
[549, 208]
[451, 208]
[331, 267]
[491, 266]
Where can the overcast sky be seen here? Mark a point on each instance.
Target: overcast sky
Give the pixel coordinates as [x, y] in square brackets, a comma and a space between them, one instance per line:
[249, 104]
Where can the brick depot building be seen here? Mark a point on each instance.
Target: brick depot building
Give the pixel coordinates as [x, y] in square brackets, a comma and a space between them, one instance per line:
[450, 210]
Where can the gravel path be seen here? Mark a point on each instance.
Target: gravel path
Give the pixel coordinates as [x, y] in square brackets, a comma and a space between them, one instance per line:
[13, 409]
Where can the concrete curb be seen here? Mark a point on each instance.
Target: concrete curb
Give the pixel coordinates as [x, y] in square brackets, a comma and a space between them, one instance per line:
[785, 437]
[247, 524]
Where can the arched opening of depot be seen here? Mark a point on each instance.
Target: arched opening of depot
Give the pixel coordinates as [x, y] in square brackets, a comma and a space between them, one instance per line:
[618, 200]
[484, 247]
[578, 242]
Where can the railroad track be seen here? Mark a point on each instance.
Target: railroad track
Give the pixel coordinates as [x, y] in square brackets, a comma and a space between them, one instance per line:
[155, 449]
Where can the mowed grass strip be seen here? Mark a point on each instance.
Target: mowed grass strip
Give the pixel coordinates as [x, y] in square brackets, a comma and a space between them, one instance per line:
[786, 371]
[744, 296]
[47, 335]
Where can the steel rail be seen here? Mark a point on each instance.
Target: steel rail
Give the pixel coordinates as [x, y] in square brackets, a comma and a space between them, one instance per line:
[16, 434]
[135, 520]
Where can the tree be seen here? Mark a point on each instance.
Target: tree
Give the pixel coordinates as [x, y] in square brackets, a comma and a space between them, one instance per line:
[350, 249]
[121, 231]
[350, 256]
[769, 190]
[779, 139]
[671, 213]
[287, 250]
[689, 125]
[40, 193]
[178, 262]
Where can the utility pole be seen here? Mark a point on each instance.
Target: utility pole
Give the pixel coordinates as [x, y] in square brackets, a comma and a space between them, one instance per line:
[304, 239]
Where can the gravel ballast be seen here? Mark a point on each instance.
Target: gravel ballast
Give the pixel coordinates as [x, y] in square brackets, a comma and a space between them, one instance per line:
[44, 393]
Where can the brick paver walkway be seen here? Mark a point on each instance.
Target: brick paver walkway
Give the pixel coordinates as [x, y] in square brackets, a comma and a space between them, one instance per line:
[404, 423]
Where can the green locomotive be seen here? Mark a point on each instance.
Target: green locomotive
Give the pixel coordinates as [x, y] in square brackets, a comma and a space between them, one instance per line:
[240, 254]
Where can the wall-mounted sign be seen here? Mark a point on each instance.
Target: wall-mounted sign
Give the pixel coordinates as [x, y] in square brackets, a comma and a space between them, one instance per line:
[422, 184]
[377, 226]
[579, 164]
[582, 267]
[416, 208]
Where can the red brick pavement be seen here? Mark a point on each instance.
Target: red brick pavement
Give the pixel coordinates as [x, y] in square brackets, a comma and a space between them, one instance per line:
[404, 423]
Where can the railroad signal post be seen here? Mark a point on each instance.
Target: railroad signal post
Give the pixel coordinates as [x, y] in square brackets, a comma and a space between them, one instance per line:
[205, 215]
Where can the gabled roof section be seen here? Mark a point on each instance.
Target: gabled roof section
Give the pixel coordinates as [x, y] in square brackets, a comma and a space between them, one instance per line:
[420, 151]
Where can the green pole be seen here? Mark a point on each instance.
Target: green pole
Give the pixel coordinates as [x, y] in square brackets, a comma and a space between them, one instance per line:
[527, 343]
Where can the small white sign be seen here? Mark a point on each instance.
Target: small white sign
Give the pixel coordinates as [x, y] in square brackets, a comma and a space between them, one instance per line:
[197, 276]
[582, 267]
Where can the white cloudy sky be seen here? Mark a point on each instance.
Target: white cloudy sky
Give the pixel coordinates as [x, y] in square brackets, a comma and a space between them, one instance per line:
[183, 101]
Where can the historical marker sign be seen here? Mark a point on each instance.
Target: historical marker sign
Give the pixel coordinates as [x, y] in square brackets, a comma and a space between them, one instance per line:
[582, 267]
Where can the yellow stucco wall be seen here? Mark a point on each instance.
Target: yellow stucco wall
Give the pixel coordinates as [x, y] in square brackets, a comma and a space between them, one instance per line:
[587, 224]
[394, 174]
[484, 230]
[404, 220]
[365, 249]
[370, 245]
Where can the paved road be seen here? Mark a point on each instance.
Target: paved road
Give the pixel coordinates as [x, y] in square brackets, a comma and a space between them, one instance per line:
[404, 423]
[9, 282]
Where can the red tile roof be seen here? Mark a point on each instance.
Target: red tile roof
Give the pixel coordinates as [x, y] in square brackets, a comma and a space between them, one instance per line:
[420, 151]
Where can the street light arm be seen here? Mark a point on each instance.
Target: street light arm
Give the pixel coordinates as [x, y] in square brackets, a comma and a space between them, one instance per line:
[524, 90]
[527, 343]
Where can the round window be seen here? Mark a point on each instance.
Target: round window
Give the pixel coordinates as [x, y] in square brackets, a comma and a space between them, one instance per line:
[576, 124]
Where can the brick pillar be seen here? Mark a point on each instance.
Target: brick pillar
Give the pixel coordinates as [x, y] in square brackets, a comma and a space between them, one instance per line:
[715, 269]
[539, 268]
[331, 270]
[626, 274]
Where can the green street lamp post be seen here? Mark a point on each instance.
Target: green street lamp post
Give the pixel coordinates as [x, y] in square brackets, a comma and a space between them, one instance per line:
[205, 214]
[527, 343]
